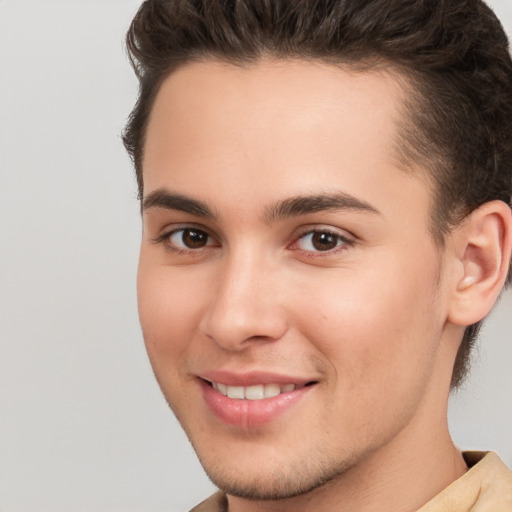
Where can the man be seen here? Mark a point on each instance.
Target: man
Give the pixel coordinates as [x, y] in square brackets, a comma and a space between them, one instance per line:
[326, 190]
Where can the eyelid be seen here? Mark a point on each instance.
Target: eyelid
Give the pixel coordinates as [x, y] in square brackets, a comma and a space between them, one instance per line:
[347, 239]
[169, 231]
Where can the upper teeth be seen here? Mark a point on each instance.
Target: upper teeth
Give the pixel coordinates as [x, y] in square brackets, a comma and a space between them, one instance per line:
[257, 392]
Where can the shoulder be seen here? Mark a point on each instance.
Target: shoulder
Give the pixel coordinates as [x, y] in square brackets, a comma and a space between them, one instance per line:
[215, 503]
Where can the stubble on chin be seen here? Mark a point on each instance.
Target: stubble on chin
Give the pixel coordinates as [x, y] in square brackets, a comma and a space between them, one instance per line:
[278, 483]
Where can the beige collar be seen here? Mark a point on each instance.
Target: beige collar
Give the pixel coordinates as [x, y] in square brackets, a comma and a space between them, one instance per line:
[486, 487]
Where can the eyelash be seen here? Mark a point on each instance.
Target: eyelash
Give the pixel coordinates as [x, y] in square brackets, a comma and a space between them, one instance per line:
[165, 238]
[342, 242]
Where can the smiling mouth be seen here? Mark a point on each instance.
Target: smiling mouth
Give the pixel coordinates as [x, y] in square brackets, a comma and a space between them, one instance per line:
[257, 391]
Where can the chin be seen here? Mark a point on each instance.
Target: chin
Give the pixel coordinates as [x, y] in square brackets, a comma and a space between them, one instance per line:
[274, 481]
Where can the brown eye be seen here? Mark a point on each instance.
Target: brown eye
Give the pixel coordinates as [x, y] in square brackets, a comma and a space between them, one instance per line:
[189, 238]
[194, 239]
[323, 241]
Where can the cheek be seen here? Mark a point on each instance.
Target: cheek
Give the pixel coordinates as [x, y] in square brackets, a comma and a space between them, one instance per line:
[166, 312]
[380, 348]
[374, 325]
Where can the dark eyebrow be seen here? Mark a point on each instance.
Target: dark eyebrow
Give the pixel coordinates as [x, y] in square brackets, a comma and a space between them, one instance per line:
[303, 205]
[163, 199]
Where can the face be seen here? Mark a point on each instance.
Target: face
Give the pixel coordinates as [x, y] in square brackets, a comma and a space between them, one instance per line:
[289, 289]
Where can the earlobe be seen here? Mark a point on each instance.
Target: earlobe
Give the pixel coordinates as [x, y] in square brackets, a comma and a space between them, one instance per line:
[483, 245]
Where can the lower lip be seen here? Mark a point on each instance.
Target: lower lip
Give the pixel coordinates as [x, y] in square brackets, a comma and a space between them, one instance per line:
[250, 413]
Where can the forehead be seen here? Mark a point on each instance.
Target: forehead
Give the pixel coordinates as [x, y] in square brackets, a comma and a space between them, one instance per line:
[270, 99]
[280, 127]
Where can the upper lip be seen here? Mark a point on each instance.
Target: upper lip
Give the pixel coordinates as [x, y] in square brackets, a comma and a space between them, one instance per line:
[252, 378]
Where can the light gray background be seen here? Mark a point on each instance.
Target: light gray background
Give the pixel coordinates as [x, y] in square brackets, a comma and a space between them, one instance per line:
[82, 424]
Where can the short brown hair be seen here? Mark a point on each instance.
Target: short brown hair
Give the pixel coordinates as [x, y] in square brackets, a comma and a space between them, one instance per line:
[453, 54]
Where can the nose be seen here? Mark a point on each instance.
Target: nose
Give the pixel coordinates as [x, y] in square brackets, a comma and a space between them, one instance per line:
[245, 308]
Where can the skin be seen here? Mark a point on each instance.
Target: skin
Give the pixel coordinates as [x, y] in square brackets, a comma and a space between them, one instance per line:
[368, 320]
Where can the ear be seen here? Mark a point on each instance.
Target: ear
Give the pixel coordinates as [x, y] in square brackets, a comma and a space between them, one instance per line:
[482, 248]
